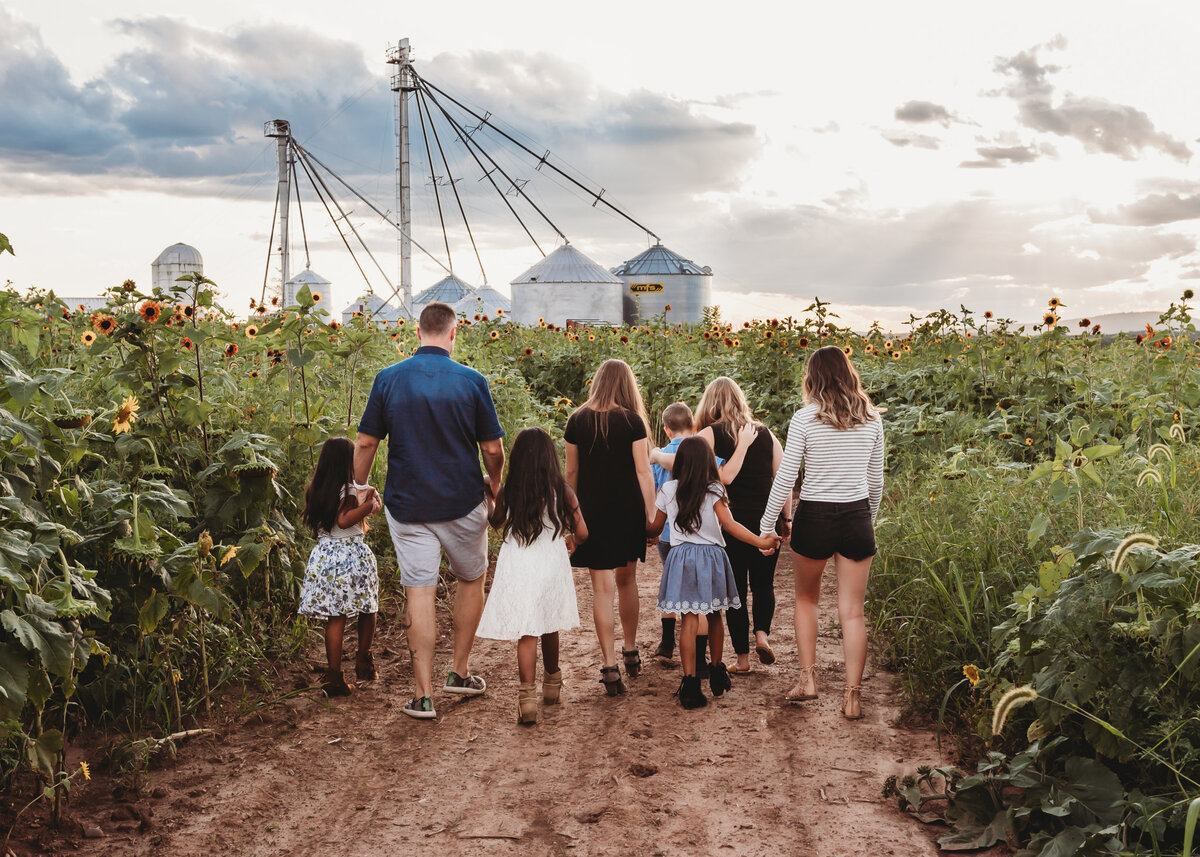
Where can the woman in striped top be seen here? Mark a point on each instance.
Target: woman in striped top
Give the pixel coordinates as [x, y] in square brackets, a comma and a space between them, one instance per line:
[838, 437]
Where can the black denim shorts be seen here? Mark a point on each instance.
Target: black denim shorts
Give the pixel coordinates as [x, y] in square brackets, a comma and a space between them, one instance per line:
[819, 530]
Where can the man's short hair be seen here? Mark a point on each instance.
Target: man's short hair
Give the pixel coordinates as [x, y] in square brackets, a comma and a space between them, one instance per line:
[437, 318]
[678, 417]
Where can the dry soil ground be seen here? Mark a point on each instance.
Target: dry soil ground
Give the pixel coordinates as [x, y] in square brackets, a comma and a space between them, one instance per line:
[748, 775]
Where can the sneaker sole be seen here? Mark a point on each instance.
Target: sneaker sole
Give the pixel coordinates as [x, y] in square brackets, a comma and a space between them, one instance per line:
[420, 715]
[466, 691]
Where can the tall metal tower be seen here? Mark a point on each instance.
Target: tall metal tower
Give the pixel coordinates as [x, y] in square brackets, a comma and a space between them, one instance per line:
[402, 84]
[281, 130]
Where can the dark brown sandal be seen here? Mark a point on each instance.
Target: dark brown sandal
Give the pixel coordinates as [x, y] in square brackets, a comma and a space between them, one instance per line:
[365, 670]
[610, 677]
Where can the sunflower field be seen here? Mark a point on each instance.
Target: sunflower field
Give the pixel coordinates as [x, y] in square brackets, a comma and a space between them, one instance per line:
[1037, 587]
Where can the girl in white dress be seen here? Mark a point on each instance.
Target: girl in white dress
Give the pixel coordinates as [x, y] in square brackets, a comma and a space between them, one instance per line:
[533, 590]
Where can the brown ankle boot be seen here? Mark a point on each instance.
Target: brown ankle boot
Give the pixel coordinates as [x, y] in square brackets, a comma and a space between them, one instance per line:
[527, 706]
[335, 684]
[551, 688]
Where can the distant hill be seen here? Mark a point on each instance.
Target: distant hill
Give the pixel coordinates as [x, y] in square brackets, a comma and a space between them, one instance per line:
[1117, 322]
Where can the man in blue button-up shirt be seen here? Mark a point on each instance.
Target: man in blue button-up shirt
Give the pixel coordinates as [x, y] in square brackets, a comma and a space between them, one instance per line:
[438, 416]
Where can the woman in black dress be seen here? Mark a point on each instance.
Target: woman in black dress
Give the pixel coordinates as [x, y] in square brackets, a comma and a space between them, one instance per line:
[608, 467]
[721, 416]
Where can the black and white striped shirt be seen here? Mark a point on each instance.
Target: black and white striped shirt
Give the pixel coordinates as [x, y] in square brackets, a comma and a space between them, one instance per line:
[840, 466]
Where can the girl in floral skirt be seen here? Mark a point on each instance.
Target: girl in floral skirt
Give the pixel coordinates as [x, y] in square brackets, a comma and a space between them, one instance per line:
[342, 579]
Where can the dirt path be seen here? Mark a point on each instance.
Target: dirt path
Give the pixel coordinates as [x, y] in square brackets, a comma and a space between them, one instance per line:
[748, 775]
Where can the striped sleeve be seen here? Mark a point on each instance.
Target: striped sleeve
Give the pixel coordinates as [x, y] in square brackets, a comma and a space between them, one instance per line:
[875, 472]
[785, 478]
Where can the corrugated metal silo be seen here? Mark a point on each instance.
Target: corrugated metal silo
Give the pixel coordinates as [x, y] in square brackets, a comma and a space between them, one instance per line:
[449, 290]
[658, 277]
[567, 285]
[315, 283]
[485, 300]
[176, 261]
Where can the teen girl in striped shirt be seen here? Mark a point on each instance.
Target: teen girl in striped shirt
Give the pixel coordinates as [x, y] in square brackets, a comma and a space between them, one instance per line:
[838, 437]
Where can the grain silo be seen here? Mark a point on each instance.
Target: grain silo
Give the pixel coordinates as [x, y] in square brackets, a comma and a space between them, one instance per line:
[176, 261]
[658, 278]
[315, 283]
[449, 290]
[567, 286]
[486, 301]
[373, 307]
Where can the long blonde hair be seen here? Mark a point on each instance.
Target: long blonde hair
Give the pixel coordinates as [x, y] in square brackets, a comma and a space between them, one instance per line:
[832, 383]
[614, 386]
[723, 402]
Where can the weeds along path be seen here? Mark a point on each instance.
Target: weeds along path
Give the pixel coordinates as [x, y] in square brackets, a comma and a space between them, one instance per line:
[748, 775]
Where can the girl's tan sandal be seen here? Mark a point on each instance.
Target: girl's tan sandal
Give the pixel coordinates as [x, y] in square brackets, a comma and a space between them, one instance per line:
[808, 678]
[852, 703]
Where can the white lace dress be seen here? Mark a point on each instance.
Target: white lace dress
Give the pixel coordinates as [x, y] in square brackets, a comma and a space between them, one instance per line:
[533, 590]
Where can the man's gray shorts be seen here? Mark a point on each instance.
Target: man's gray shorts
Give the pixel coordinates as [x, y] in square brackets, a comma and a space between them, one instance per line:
[419, 547]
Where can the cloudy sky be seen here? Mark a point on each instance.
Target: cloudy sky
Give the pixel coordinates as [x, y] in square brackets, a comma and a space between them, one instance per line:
[892, 158]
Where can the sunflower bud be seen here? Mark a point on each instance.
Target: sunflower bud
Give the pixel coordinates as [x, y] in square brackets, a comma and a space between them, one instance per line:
[204, 545]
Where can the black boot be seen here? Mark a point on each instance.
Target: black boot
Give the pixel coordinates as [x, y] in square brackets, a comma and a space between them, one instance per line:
[718, 679]
[666, 649]
[702, 656]
[690, 694]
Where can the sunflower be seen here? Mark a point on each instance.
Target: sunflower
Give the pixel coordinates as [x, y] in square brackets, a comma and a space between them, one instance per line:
[126, 413]
[1085, 322]
[848, 350]
[1165, 342]
[1029, 441]
[803, 342]
[768, 334]
[275, 300]
[528, 352]
[494, 335]
[129, 285]
[541, 321]
[728, 342]
[262, 309]
[1140, 339]
[499, 311]
[104, 323]
[316, 297]
[971, 673]
[334, 325]
[896, 355]
[745, 325]
[1188, 294]
[591, 337]
[1049, 319]
[187, 344]
[251, 331]
[1095, 329]
[624, 340]
[80, 308]
[231, 349]
[988, 315]
[667, 308]
[151, 311]
[253, 373]
[1055, 303]
[887, 344]
[189, 311]
[708, 334]
[88, 337]
[66, 314]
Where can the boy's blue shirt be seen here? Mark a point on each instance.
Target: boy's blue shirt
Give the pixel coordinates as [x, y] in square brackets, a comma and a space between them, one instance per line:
[662, 476]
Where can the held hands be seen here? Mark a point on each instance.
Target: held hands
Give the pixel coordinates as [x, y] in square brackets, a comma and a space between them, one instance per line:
[768, 544]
